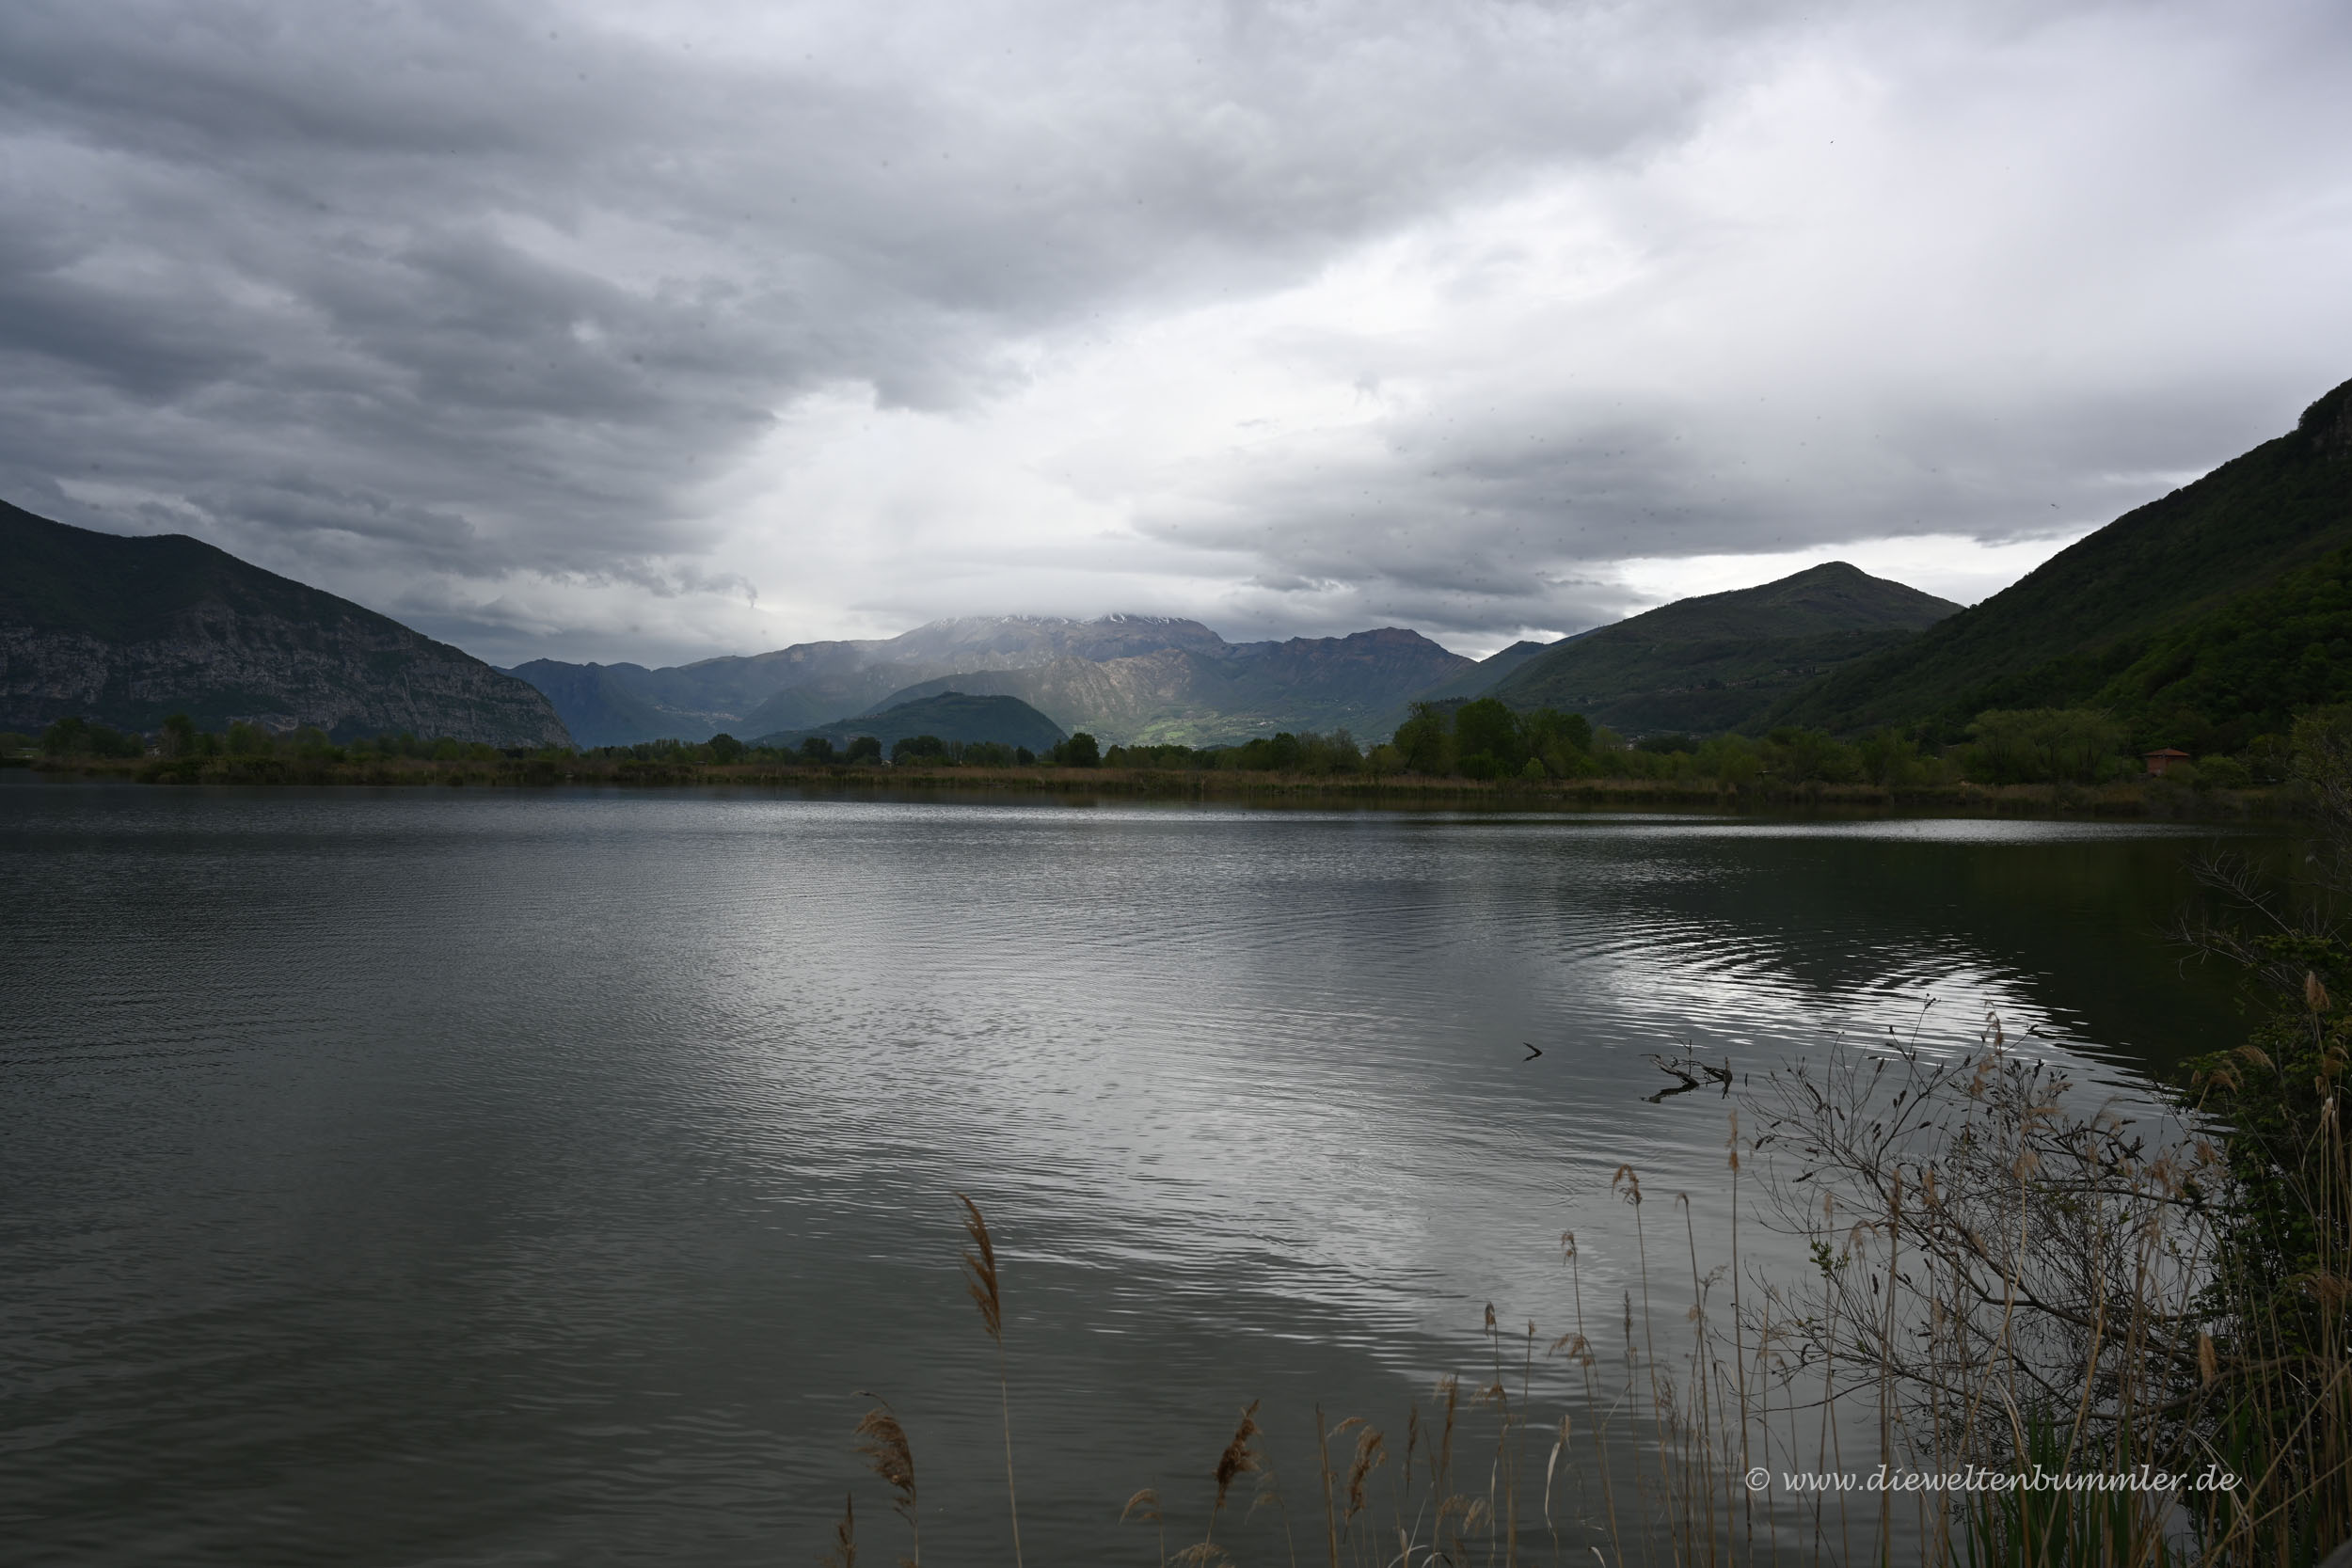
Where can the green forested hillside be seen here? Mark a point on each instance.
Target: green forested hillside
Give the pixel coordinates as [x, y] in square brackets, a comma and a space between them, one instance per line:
[1718, 661]
[2247, 669]
[2097, 610]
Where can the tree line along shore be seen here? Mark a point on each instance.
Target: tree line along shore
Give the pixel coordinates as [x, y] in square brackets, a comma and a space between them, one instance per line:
[2026, 761]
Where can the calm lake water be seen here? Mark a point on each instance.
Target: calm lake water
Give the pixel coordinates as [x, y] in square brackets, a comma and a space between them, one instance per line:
[460, 1177]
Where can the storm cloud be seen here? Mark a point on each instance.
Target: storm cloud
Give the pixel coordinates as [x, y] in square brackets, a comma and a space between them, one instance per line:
[655, 332]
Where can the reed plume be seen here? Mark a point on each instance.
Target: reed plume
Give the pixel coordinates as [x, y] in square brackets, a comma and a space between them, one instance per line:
[1145, 1505]
[884, 1442]
[844, 1552]
[979, 1267]
[1237, 1460]
[1369, 1455]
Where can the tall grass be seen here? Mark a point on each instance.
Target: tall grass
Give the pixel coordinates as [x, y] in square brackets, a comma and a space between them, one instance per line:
[2002, 1279]
[2005, 1278]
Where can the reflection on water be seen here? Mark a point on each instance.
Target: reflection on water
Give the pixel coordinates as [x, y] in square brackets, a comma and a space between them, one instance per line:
[450, 1178]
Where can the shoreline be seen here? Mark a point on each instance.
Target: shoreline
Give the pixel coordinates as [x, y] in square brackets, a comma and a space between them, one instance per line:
[1396, 792]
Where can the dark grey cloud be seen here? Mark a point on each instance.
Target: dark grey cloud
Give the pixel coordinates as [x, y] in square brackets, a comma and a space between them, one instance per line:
[483, 313]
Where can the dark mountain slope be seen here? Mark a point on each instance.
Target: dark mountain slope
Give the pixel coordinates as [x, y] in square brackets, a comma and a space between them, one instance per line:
[2093, 610]
[128, 631]
[1718, 661]
[950, 716]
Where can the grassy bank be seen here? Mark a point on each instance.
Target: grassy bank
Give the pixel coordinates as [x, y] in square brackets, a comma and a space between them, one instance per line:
[1399, 791]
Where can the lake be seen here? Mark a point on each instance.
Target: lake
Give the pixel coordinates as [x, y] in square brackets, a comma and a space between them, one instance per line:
[464, 1177]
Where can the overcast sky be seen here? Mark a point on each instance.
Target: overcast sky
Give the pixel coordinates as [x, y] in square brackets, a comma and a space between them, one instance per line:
[609, 332]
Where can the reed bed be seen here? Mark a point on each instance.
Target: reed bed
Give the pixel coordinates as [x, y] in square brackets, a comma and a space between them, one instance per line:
[2003, 1282]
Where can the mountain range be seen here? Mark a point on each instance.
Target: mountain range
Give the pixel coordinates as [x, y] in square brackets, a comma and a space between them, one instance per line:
[1124, 678]
[128, 631]
[2206, 618]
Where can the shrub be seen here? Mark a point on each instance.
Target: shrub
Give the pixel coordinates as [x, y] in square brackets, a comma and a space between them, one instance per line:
[2222, 772]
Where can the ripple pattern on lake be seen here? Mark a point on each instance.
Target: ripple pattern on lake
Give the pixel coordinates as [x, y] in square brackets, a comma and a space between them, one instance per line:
[465, 1177]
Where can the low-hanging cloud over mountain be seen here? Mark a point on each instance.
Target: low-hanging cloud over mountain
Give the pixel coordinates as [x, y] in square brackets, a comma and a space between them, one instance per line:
[605, 332]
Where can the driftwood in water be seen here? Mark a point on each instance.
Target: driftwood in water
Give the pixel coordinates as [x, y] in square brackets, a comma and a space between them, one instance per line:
[1688, 1070]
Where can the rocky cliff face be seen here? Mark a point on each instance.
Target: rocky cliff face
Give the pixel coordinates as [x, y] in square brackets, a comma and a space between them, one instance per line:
[128, 631]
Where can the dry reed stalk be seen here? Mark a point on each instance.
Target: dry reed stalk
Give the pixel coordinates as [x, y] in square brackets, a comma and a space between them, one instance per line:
[884, 1442]
[1237, 1460]
[1740, 1348]
[1493, 1394]
[1527, 1393]
[980, 1265]
[1323, 1456]
[1886, 1347]
[1449, 1396]
[1371, 1453]
[1405, 1539]
[1632, 1184]
[1581, 1348]
[1702, 1427]
[844, 1552]
[1145, 1505]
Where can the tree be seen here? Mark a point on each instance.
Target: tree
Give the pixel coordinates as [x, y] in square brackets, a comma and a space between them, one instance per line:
[1080, 751]
[725, 749]
[919, 747]
[1487, 739]
[1425, 741]
[65, 737]
[864, 748]
[816, 748]
[1891, 758]
[1800, 757]
[1548, 727]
